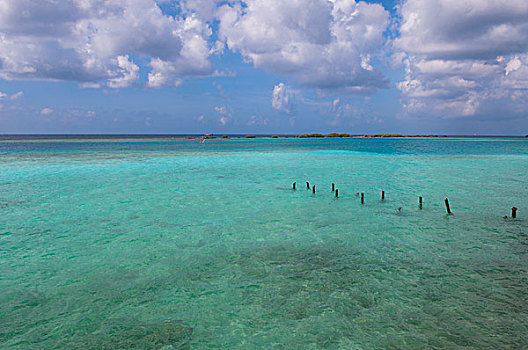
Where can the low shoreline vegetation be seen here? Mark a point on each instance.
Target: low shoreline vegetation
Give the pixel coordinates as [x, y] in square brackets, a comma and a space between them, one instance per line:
[335, 134]
[314, 135]
[398, 135]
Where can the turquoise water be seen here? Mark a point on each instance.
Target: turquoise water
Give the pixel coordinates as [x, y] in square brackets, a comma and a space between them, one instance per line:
[162, 244]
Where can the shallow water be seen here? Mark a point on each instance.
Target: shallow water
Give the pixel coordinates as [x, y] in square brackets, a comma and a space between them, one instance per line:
[174, 244]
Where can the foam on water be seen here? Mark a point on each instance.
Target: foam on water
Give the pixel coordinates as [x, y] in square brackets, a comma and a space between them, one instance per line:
[174, 244]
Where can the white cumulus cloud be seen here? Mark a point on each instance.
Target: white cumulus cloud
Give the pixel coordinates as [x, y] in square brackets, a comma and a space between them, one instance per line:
[46, 111]
[283, 98]
[225, 114]
[223, 120]
[127, 74]
[14, 96]
[326, 44]
[464, 58]
[257, 121]
[93, 41]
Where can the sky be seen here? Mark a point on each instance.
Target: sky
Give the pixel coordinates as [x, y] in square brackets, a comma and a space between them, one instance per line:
[456, 67]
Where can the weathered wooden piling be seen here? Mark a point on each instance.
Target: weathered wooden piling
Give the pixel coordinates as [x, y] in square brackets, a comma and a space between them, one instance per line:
[294, 185]
[447, 207]
[313, 189]
[514, 212]
[337, 193]
[420, 202]
[307, 185]
[362, 198]
[333, 187]
[382, 195]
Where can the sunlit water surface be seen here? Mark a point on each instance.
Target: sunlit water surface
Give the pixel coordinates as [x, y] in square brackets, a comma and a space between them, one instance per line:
[162, 244]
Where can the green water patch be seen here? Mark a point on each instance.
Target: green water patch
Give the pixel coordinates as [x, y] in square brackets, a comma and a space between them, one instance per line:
[132, 334]
[174, 246]
[333, 296]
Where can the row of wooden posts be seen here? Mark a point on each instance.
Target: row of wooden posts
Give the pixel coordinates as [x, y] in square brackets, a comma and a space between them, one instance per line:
[420, 203]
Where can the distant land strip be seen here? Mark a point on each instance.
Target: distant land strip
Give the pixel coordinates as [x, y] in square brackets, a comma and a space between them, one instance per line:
[334, 134]
[181, 137]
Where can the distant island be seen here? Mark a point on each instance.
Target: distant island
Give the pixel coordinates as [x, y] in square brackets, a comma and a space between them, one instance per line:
[335, 134]
[317, 135]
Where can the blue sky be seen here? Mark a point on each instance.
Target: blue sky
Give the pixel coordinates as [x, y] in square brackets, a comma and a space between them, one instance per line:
[264, 66]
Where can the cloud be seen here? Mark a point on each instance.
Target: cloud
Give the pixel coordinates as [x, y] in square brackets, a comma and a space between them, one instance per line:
[192, 59]
[89, 85]
[221, 109]
[345, 113]
[219, 87]
[223, 120]
[464, 59]
[148, 121]
[464, 29]
[14, 96]
[257, 121]
[127, 74]
[92, 41]
[204, 8]
[325, 44]
[225, 114]
[8, 99]
[283, 98]
[46, 111]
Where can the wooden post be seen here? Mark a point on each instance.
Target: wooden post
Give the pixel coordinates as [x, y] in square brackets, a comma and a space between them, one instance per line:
[333, 187]
[382, 195]
[447, 206]
[514, 212]
[307, 185]
[294, 186]
[420, 202]
[313, 189]
[362, 198]
[336, 193]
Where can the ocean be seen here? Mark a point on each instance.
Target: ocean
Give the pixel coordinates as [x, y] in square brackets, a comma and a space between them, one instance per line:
[168, 243]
